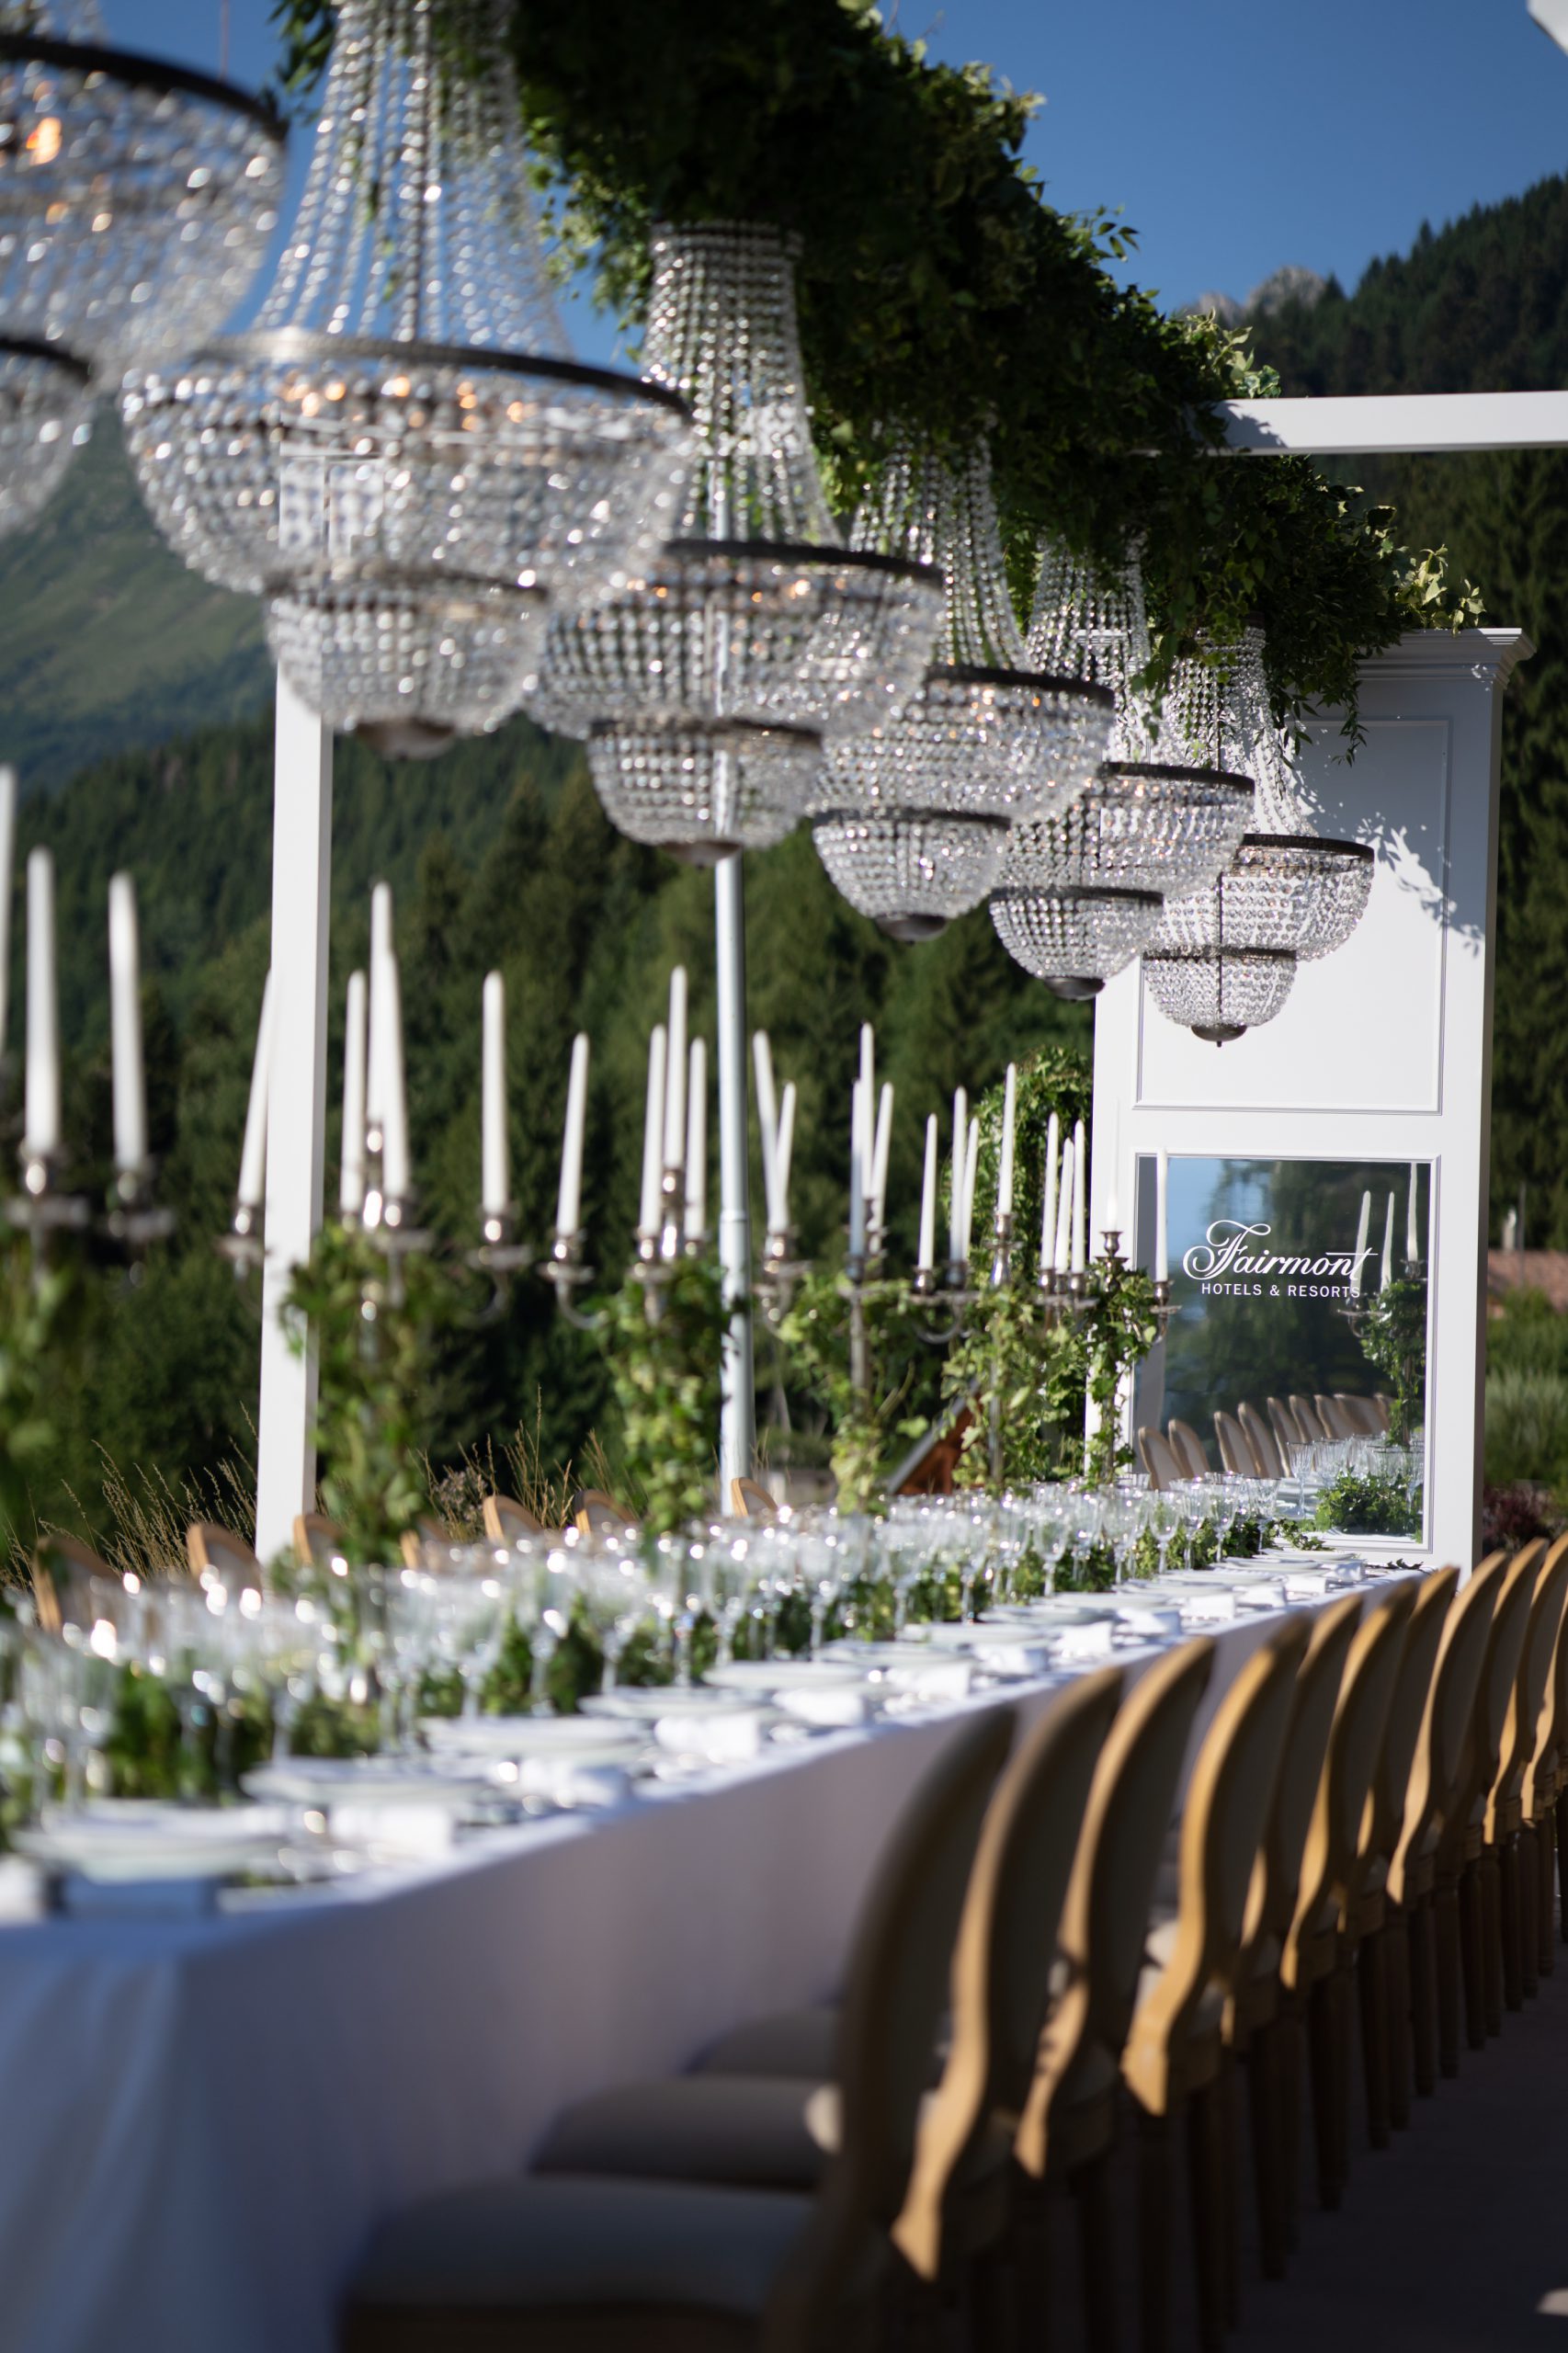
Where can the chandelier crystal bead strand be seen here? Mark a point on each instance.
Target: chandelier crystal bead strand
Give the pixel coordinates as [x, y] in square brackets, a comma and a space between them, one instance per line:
[399, 455]
[137, 199]
[1081, 890]
[912, 816]
[704, 687]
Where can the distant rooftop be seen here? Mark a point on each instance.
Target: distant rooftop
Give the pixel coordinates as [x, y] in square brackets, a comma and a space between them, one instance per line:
[1542, 1271]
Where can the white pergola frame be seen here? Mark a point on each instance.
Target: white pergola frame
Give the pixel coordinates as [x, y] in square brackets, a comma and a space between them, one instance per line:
[1377, 424]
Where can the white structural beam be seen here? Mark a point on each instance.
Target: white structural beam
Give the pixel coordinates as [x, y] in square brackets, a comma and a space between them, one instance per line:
[296, 1120]
[1395, 424]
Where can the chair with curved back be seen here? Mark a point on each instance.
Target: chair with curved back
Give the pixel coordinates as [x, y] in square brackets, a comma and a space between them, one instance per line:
[1189, 1448]
[759, 2112]
[1160, 1459]
[1254, 2028]
[1362, 1413]
[1464, 1860]
[318, 1540]
[1307, 1421]
[563, 2262]
[1387, 2076]
[1546, 1785]
[1333, 1910]
[426, 1529]
[1288, 1431]
[506, 1521]
[1431, 1912]
[1336, 1422]
[597, 1514]
[1271, 1463]
[1067, 2128]
[750, 1501]
[1235, 1448]
[1173, 2062]
[1503, 1831]
[217, 1553]
[63, 1569]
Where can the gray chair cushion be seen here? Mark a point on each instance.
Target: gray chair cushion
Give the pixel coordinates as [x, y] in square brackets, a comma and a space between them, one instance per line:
[527, 2247]
[749, 2130]
[789, 2042]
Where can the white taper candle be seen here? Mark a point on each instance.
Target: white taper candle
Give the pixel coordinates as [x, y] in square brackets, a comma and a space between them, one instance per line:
[40, 1134]
[1162, 1218]
[1080, 1197]
[381, 948]
[768, 1128]
[880, 1146]
[568, 1202]
[1048, 1213]
[650, 1214]
[957, 1175]
[1411, 1222]
[1061, 1257]
[351, 1156]
[397, 1170]
[971, 1170]
[7, 871]
[784, 1152]
[1387, 1276]
[925, 1259]
[253, 1152]
[1009, 1117]
[674, 1073]
[697, 1142]
[1362, 1229]
[495, 1152]
[125, 1025]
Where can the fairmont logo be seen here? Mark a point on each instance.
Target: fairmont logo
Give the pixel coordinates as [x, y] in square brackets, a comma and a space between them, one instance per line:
[1227, 1261]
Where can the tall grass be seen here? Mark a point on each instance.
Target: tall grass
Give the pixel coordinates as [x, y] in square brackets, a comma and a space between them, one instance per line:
[1527, 1428]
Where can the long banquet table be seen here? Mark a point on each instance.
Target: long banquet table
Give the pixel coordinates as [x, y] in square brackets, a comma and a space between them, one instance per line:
[204, 2116]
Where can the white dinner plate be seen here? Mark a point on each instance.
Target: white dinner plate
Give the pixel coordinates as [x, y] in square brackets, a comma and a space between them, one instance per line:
[577, 1740]
[154, 1840]
[356, 1781]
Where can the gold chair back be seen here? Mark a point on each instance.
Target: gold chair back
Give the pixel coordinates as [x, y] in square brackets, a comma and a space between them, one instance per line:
[318, 1540]
[1005, 1946]
[506, 1520]
[1434, 1788]
[1235, 1448]
[218, 1552]
[1160, 1459]
[1413, 1686]
[1287, 1429]
[63, 1570]
[750, 1501]
[1277, 1878]
[1107, 1912]
[1334, 1840]
[1189, 1448]
[597, 1514]
[1223, 1824]
[1271, 1463]
[1307, 1420]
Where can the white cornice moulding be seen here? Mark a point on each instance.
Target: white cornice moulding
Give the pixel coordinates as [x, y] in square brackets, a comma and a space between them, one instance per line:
[1446, 653]
[1394, 423]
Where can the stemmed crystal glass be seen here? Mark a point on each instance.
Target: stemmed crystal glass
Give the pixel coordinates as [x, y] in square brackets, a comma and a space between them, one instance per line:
[470, 1620]
[612, 1586]
[1087, 1505]
[1120, 1522]
[1164, 1522]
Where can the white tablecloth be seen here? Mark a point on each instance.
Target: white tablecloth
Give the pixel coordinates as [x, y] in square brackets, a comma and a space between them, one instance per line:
[202, 2119]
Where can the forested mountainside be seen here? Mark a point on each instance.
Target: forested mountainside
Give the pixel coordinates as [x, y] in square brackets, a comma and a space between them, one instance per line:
[1482, 306]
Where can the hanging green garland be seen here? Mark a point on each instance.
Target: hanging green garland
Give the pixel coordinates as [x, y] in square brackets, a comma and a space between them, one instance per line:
[938, 287]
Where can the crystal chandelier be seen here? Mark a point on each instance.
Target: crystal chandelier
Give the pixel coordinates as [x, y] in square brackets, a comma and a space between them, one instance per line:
[1085, 884]
[987, 740]
[1073, 939]
[136, 201]
[1218, 994]
[754, 616]
[1287, 892]
[396, 436]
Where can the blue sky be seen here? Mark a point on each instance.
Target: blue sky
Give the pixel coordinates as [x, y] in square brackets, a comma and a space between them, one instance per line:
[1231, 134]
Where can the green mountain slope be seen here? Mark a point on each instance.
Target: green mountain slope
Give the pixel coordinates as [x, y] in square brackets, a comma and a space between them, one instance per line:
[1482, 306]
[105, 638]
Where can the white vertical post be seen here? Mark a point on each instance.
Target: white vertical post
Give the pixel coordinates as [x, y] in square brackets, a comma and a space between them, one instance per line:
[296, 1118]
[737, 1438]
